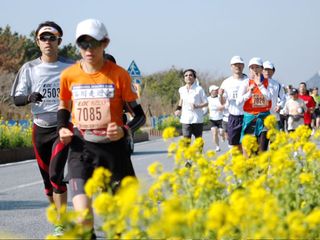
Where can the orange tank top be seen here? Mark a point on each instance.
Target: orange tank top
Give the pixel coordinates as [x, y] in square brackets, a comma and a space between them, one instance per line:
[257, 103]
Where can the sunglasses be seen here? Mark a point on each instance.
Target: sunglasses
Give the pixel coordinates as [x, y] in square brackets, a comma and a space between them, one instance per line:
[85, 44]
[49, 38]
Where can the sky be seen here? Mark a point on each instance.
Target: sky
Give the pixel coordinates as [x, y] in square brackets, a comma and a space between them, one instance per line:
[202, 34]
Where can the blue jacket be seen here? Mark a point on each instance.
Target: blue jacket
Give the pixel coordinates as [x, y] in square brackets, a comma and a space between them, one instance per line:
[248, 118]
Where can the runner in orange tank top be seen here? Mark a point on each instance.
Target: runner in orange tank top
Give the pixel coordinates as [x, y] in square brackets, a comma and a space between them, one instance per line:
[256, 95]
[95, 91]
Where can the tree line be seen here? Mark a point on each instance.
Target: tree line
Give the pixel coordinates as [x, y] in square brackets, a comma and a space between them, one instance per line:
[159, 91]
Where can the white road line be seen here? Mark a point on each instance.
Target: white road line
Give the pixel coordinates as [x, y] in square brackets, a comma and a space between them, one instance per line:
[20, 186]
[17, 163]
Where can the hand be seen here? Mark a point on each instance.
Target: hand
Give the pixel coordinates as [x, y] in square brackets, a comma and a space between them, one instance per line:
[251, 87]
[65, 135]
[114, 132]
[177, 113]
[35, 97]
[220, 91]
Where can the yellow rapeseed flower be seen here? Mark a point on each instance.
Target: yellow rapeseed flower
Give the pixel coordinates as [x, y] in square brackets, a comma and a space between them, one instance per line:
[172, 148]
[313, 219]
[309, 148]
[306, 178]
[250, 144]
[104, 204]
[155, 169]
[169, 132]
[270, 122]
[217, 215]
[210, 154]
[90, 187]
[52, 214]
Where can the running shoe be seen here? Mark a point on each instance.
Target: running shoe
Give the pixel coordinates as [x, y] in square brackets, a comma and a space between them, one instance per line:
[218, 149]
[58, 231]
[188, 164]
[90, 235]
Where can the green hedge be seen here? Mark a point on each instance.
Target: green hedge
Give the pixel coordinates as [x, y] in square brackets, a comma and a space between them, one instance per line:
[13, 136]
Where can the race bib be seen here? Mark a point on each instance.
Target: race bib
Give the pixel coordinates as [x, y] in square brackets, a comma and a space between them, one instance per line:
[259, 101]
[234, 94]
[92, 105]
[50, 93]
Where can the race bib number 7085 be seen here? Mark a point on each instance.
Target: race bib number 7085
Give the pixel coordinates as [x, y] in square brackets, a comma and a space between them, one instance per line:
[91, 105]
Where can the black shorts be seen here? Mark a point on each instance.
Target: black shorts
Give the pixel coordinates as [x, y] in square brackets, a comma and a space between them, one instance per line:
[195, 129]
[85, 156]
[216, 123]
[316, 113]
[234, 129]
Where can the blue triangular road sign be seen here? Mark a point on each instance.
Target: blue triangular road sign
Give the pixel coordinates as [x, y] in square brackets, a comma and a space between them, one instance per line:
[133, 70]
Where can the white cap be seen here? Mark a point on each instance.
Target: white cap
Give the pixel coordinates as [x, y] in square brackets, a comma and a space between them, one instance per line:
[49, 29]
[213, 87]
[93, 28]
[268, 65]
[256, 61]
[236, 59]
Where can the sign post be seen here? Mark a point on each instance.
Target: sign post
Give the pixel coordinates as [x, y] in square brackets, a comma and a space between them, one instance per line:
[136, 77]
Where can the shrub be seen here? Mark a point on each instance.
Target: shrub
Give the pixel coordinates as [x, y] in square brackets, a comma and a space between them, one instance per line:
[274, 194]
[170, 121]
[13, 136]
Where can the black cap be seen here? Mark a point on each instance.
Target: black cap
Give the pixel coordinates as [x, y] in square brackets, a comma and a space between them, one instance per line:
[293, 91]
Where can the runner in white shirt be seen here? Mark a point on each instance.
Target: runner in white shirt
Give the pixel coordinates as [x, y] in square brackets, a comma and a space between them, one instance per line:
[283, 117]
[38, 84]
[277, 92]
[229, 88]
[192, 100]
[294, 109]
[215, 114]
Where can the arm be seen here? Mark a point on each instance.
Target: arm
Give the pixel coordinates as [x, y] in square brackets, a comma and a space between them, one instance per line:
[281, 97]
[203, 99]
[222, 95]
[311, 105]
[178, 109]
[23, 100]
[21, 88]
[63, 116]
[265, 91]
[139, 117]
[244, 92]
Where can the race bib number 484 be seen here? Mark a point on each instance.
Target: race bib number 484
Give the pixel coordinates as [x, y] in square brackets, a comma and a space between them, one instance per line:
[92, 105]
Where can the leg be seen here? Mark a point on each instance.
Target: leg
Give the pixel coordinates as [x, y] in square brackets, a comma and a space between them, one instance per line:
[263, 142]
[215, 138]
[81, 202]
[317, 122]
[56, 171]
[42, 151]
[60, 199]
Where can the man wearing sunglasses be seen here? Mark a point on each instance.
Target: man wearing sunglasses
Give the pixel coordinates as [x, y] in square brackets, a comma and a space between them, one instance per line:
[38, 83]
[95, 91]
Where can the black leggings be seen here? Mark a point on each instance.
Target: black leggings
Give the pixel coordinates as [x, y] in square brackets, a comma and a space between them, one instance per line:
[51, 157]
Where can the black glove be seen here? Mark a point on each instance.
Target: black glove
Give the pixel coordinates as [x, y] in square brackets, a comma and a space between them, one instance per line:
[35, 97]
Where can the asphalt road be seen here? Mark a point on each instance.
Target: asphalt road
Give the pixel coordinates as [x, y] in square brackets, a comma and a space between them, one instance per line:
[23, 203]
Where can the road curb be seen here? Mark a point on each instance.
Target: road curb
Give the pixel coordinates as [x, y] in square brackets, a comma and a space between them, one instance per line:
[16, 155]
[25, 153]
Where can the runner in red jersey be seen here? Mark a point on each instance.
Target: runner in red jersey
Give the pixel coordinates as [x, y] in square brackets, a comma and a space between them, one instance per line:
[309, 101]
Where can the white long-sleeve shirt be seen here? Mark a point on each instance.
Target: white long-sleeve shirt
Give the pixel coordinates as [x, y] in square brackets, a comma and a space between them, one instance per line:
[244, 94]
